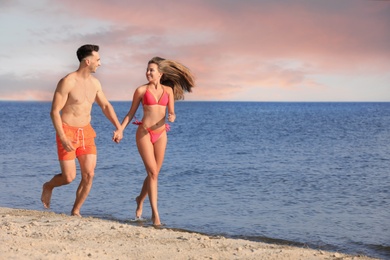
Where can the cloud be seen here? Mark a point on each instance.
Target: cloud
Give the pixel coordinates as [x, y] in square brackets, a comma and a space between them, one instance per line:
[231, 46]
[26, 88]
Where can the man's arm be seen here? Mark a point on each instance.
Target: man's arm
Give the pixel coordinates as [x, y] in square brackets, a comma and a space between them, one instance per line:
[109, 112]
[59, 100]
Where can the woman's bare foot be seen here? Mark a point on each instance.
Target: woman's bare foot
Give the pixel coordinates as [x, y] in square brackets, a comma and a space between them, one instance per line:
[46, 195]
[138, 212]
[156, 221]
[76, 214]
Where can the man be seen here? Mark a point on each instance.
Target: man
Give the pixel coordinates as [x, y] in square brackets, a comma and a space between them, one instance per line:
[71, 116]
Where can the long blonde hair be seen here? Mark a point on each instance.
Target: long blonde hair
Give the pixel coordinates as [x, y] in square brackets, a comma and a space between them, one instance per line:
[175, 75]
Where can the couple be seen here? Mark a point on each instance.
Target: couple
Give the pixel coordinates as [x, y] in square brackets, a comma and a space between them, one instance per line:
[71, 116]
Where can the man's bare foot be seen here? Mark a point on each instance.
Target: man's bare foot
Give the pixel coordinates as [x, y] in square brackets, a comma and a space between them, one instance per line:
[138, 212]
[46, 195]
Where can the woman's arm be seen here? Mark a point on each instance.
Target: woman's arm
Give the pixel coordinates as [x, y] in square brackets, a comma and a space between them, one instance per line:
[138, 94]
[171, 105]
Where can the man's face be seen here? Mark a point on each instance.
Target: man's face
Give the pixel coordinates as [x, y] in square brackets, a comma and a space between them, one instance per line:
[94, 61]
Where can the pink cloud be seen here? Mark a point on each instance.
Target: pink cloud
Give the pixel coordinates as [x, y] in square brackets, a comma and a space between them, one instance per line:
[28, 95]
[232, 46]
[323, 33]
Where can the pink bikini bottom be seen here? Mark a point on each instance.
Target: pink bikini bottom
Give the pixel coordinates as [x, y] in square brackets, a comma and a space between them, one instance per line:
[154, 135]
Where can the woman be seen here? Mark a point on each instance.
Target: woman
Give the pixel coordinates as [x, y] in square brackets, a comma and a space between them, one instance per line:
[167, 82]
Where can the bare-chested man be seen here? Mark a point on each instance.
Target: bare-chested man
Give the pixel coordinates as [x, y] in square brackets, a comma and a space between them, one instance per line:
[71, 116]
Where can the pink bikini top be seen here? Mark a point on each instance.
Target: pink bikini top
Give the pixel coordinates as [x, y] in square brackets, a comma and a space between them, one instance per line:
[150, 100]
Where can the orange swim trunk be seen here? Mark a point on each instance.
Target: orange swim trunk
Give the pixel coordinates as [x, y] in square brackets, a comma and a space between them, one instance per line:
[83, 139]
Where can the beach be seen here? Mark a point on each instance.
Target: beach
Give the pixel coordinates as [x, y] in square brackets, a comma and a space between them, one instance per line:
[32, 234]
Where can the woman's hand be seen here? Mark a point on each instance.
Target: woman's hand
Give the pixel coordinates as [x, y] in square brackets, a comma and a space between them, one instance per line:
[171, 117]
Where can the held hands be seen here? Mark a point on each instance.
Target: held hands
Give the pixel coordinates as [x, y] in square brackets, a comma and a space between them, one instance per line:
[117, 136]
[171, 117]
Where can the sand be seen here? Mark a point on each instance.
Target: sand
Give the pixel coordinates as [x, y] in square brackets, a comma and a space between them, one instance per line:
[30, 234]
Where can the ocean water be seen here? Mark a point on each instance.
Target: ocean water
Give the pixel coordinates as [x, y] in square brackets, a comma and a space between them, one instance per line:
[306, 174]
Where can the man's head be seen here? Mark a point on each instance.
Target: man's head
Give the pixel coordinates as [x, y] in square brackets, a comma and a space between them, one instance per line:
[86, 51]
[89, 57]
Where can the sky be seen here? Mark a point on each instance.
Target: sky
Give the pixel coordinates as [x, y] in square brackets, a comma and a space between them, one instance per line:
[238, 50]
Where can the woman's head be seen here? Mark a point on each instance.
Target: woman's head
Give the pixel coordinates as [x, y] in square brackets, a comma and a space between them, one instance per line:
[153, 73]
[175, 75]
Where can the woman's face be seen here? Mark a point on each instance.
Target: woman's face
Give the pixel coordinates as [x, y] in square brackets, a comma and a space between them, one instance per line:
[153, 74]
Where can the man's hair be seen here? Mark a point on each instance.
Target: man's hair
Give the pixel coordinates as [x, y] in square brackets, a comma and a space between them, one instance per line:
[86, 50]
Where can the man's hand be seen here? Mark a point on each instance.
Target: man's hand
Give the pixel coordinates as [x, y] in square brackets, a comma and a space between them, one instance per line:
[117, 136]
[67, 144]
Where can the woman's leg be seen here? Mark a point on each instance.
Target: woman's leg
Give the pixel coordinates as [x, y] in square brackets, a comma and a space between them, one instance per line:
[141, 197]
[153, 157]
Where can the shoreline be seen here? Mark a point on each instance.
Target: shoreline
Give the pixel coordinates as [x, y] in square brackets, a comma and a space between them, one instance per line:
[32, 234]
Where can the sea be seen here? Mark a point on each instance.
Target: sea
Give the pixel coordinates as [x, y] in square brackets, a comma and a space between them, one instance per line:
[307, 174]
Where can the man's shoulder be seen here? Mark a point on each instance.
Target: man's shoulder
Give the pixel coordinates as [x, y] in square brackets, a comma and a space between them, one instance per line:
[96, 83]
[95, 80]
[74, 77]
[67, 81]
[69, 77]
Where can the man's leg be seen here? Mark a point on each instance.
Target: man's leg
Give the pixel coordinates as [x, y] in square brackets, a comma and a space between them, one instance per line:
[87, 167]
[67, 175]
